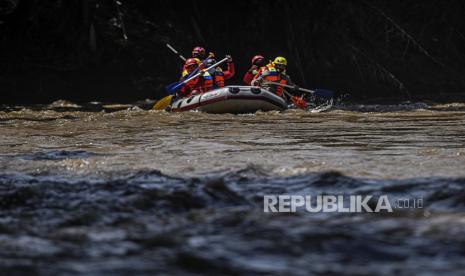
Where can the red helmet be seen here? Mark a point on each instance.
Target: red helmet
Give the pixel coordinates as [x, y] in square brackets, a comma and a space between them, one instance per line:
[198, 50]
[192, 61]
[257, 58]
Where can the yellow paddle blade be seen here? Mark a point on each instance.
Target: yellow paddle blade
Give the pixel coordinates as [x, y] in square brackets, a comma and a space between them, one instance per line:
[163, 103]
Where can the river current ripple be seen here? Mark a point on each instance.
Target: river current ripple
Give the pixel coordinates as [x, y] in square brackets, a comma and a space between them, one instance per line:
[116, 189]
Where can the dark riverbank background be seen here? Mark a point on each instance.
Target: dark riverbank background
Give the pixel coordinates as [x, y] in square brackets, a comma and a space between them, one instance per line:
[77, 49]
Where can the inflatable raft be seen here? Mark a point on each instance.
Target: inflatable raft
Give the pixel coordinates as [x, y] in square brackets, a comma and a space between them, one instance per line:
[231, 99]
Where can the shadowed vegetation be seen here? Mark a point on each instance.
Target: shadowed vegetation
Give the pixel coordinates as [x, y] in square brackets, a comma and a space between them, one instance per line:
[88, 49]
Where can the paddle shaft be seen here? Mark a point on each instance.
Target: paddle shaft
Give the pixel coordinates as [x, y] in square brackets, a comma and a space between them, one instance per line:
[290, 86]
[288, 94]
[120, 19]
[176, 52]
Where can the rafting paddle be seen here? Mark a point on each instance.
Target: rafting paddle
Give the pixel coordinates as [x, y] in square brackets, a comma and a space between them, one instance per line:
[176, 52]
[322, 93]
[163, 103]
[298, 102]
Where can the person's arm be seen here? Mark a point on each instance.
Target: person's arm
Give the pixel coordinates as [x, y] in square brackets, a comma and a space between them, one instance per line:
[183, 73]
[248, 77]
[291, 83]
[230, 72]
[257, 80]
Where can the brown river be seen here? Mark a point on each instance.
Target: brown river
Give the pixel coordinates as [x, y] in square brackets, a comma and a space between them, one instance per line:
[116, 189]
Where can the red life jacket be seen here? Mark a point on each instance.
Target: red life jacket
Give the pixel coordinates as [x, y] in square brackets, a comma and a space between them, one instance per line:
[202, 84]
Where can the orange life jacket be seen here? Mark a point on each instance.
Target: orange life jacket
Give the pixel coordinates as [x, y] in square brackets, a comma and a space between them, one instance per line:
[270, 73]
[219, 78]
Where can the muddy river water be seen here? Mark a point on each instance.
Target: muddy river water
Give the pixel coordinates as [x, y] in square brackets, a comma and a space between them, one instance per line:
[118, 189]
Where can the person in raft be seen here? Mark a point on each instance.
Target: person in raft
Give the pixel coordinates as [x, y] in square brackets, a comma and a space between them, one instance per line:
[274, 71]
[198, 85]
[258, 62]
[200, 54]
[219, 76]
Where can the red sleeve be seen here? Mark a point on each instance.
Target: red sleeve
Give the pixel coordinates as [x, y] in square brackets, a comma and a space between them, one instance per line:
[197, 84]
[248, 77]
[230, 72]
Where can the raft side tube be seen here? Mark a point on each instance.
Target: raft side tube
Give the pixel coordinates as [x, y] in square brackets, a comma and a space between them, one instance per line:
[232, 99]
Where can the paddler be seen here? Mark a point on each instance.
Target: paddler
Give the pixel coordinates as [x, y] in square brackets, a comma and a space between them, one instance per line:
[258, 61]
[219, 76]
[200, 54]
[274, 71]
[201, 84]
